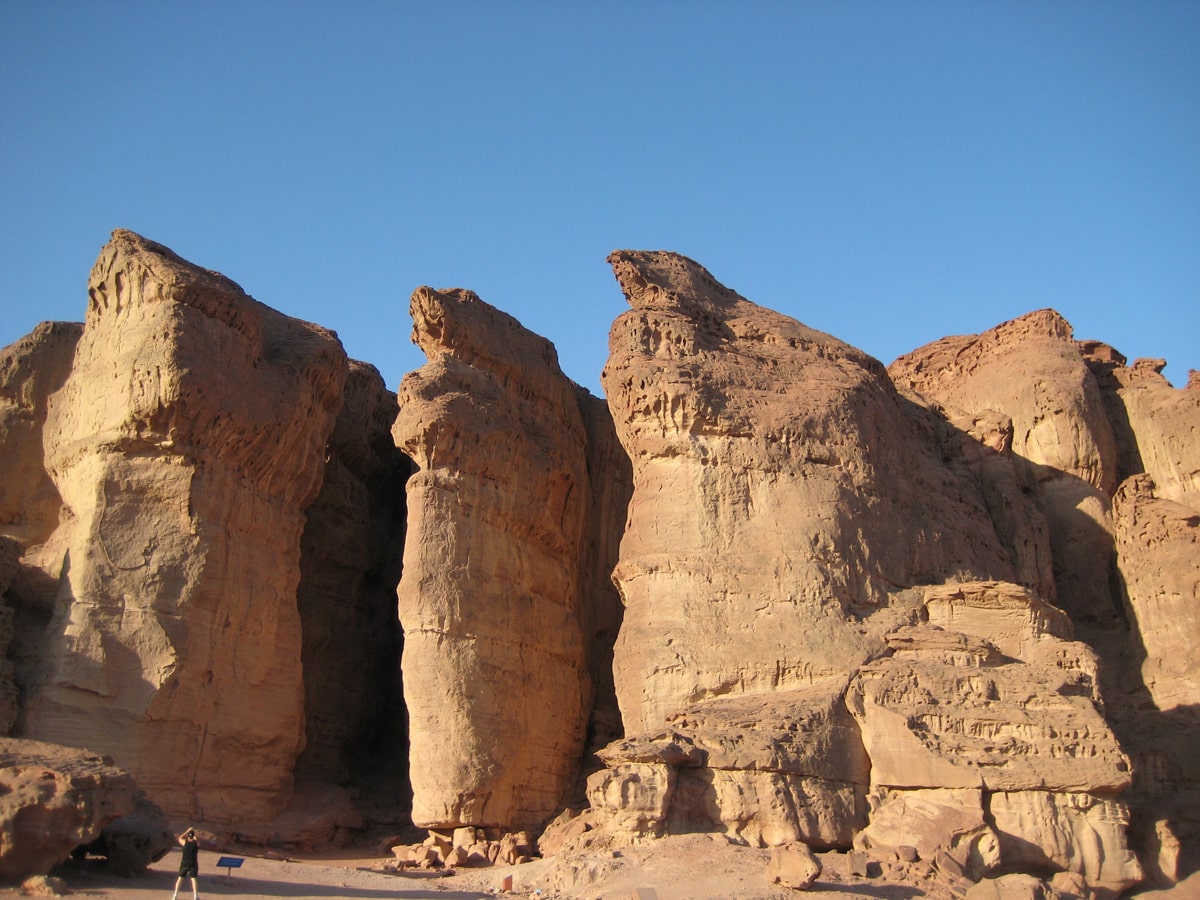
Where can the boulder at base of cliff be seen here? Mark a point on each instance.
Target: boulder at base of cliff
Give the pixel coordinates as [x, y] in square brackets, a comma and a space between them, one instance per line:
[52, 800]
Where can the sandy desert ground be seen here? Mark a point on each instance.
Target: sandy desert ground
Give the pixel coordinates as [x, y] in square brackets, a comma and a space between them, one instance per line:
[687, 867]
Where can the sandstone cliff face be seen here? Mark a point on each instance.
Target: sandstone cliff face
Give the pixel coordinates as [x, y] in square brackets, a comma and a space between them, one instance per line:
[185, 445]
[1030, 371]
[30, 371]
[847, 608]
[495, 667]
[783, 493]
[1156, 425]
[1139, 613]
[611, 481]
[766, 769]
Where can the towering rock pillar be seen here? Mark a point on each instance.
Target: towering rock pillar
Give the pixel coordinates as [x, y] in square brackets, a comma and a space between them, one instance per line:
[785, 497]
[185, 445]
[495, 669]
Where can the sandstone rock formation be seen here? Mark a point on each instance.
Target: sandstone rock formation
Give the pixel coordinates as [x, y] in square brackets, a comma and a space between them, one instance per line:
[52, 800]
[185, 446]
[765, 769]
[1002, 760]
[793, 866]
[942, 613]
[785, 496]
[1029, 370]
[1158, 549]
[30, 371]
[491, 599]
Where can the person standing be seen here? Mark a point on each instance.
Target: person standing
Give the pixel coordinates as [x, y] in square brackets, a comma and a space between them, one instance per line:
[189, 864]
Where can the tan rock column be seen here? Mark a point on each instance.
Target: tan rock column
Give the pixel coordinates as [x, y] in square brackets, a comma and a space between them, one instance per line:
[495, 674]
[186, 444]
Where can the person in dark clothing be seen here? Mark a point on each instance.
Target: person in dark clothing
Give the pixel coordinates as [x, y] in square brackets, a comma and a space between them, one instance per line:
[189, 864]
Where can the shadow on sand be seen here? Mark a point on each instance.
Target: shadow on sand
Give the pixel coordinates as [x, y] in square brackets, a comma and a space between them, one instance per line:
[883, 892]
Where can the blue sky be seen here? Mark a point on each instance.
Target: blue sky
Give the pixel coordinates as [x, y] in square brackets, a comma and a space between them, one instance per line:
[888, 172]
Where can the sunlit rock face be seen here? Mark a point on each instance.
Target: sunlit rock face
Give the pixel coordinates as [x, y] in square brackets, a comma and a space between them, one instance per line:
[52, 800]
[185, 445]
[766, 769]
[785, 496]
[30, 371]
[1030, 371]
[495, 662]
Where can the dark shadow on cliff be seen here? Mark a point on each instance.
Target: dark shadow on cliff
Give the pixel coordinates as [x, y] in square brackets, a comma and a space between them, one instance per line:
[351, 558]
[1089, 587]
[32, 597]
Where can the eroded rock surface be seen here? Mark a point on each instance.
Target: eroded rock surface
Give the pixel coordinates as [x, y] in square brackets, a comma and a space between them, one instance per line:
[785, 496]
[30, 371]
[1001, 760]
[495, 666]
[185, 445]
[766, 769]
[1030, 371]
[52, 800]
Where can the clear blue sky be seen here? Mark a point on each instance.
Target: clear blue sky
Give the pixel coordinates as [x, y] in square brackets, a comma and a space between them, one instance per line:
[888, 172]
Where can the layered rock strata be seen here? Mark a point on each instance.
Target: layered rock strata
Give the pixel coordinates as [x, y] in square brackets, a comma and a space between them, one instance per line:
[766, 769]
[495, 665]
[1122, 528]
[785, 496]
[185, 445]
[988, 742]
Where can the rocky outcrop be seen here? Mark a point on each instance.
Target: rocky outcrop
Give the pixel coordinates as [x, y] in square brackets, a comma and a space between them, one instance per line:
[185, 445]
[1003, 760]
[495, 666]
[765, 769]
[30, 371]
[351, 551]
[1054, 831]
[52, 800]
[1030, 372]
[848, 605]
[1158, 552]
[1155, 424]
[785, 496]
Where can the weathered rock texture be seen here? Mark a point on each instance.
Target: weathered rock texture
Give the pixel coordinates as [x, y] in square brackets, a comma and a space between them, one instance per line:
[494, 583]
[185, 445]
[30, 370]
[766, 769]
[1030, 371]
[1113, 449]
[995, 755]
[945, 610]
[783, 493]
[52, 800]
